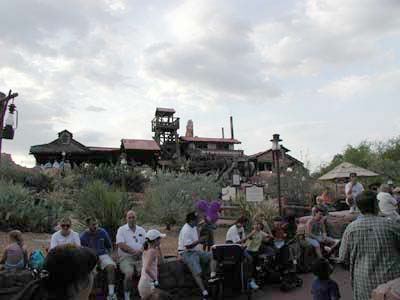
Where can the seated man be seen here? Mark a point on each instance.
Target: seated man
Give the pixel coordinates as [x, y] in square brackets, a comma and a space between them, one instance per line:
[236, 235]
[316, 234]
[130, 240]
[98, 239]
[191, 255]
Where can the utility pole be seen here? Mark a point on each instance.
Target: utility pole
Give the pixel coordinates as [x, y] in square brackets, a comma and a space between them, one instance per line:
[3, 108]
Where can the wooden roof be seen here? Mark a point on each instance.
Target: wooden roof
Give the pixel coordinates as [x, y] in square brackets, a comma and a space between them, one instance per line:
[134, 144]
[164, 111]
[343, 171]
[209, 140]
[57, 146]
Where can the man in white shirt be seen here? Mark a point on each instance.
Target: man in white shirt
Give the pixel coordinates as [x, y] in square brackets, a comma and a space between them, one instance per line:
[130, 240]
[352, 190]
[387, 203]
[235, 234]
[65, 236]
[191, 255]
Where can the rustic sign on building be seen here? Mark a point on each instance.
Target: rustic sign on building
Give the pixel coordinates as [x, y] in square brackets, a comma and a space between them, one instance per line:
[229, 193]
[254, 194]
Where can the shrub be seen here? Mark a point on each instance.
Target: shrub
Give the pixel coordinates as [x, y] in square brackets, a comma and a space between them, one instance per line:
[25, 211]
[127, 178]
[99, 200]
[170, 196]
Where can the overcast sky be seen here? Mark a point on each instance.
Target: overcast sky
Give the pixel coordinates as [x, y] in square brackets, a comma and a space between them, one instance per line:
[322, 73]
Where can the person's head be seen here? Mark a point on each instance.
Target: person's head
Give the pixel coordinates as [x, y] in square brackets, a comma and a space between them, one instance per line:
[258, 226]
[92, 224]
[353, 177]
[153, 239]
[319, 200]
[240, 222]
[65, 225]
[277, 222]
[322, 268]
[396, 191]
[366, 203]
[384, 188]
[158, 294]
[318, 213]
[66, 275]
[15, 236]
[192, 219]
[131, 218]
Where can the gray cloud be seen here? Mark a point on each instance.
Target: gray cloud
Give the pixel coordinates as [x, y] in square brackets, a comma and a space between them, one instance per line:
[94, 108]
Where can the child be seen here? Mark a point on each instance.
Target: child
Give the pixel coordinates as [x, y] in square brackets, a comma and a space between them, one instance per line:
[324, 288]
[151, 255]
[278, 232]
[15, 256]
[207, 232]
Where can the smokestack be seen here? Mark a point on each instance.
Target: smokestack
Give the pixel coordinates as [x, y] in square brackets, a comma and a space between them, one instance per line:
[223, 134]
[189, 129]
[232, 136]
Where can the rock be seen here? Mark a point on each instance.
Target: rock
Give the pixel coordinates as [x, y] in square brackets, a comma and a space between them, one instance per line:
[12, 282]
[387, 291]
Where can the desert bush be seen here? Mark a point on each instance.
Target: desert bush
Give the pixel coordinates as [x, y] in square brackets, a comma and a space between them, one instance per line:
[268, 209]
[21, 209]
[99, 200]
[29, 178]
[170, 196]
[127, 177]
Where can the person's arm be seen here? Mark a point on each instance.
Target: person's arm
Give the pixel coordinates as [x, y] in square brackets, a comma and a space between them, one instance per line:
[84, 240]
[107, 241]
[25, 253]
[266, 236]
[349, 189]
[121, 244]
[53, 242]
[4, 257]
[344, 250]
[160, 256]
[77, 240]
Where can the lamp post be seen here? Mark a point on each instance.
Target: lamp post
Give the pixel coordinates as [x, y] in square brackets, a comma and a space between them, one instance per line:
[8, 131]
[276, 150]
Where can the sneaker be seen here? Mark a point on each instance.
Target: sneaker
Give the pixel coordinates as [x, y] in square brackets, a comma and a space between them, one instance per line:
[112, 297]
[253, 285]
[213, 279]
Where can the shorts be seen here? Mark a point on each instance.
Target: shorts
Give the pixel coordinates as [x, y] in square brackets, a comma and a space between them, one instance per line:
[144, 287]
[193, 260]
[105, 260]
[130, 265]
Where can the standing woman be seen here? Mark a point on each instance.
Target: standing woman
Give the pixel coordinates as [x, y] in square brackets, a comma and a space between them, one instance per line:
[151, 255]
[15, 256]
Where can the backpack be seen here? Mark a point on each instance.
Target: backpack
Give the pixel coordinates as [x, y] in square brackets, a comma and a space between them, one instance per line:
[36, 260]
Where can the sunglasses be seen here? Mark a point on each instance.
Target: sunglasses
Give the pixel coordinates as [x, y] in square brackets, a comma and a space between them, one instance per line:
[65, 225]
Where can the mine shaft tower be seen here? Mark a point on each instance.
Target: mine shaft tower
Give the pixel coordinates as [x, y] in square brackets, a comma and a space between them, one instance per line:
[165, 127]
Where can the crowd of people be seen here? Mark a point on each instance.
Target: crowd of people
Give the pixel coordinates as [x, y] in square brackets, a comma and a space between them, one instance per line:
[370, 246]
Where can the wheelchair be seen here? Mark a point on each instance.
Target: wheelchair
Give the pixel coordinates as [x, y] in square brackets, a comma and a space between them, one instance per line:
[278, 266]
[231, 272]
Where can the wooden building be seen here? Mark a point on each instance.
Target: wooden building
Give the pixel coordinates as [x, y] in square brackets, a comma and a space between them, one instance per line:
[144, 152]
[66, 148]
[264, 162]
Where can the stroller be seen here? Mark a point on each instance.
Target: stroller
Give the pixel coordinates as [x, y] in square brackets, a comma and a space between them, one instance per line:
[277, 264]
[231, 272]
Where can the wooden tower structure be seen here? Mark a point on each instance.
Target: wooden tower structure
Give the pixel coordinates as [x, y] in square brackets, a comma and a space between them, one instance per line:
[165, 127]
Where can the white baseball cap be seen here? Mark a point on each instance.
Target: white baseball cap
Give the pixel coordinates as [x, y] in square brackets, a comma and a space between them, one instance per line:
[154, 234]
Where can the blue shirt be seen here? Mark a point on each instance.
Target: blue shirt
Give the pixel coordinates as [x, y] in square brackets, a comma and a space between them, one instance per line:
[325, 290]
[99, 241]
